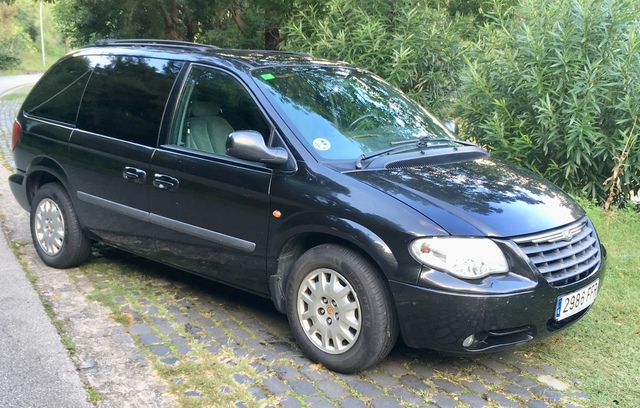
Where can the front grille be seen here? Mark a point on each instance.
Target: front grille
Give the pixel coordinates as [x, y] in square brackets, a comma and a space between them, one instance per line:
[566, 255]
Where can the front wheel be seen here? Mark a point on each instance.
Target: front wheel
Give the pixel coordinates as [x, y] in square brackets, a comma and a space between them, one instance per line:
[339, 309]
[56, 231]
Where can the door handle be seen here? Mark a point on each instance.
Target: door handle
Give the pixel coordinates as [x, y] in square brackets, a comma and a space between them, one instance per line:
[133, 174]
[164, 182]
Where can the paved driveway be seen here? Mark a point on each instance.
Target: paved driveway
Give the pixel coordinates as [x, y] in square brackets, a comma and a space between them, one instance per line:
[152, 321]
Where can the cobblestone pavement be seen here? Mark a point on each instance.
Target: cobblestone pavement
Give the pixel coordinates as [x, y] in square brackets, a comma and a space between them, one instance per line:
[145, 335]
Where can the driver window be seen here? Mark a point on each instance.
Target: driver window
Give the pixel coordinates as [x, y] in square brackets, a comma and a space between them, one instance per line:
[214, 104]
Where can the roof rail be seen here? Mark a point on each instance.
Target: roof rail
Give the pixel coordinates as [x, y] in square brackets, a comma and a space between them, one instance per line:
[147, 41]
[257, 50]
[300, 53]
[181, 44]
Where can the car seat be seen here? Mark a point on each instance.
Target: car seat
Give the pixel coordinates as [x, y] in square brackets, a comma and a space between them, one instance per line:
[208, 132]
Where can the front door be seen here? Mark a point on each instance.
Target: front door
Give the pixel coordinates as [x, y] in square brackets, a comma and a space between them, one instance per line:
[212, 210]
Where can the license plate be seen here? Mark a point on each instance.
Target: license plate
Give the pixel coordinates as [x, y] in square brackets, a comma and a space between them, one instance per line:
[574, 302]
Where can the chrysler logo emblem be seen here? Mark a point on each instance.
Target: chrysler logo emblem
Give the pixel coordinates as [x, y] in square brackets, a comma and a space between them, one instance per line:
[567, 235]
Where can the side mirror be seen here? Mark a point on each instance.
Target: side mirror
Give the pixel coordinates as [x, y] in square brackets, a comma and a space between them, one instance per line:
[250, 145]
[452, 126]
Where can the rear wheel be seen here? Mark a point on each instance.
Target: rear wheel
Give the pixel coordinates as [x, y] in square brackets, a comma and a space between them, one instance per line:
[57, 234]
[340, 309]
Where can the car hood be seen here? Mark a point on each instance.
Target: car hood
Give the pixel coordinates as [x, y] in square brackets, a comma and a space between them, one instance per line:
[488, 197]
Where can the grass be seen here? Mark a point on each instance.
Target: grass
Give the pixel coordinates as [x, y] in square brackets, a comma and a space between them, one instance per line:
[212, 375]
[15, 96]
[32, 61]
[602, 351]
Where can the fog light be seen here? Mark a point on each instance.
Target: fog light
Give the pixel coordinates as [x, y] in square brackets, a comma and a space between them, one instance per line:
[468, 341]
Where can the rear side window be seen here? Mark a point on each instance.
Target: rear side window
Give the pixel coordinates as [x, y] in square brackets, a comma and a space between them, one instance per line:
[126, 97]
[57, 95]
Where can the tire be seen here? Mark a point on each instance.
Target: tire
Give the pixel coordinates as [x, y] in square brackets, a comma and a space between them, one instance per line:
[347, 324]
[56, 232]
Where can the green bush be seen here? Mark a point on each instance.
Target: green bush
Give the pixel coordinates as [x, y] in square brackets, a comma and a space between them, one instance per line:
[415, 47]
[554, 85]
[12, 48]
[8, 61]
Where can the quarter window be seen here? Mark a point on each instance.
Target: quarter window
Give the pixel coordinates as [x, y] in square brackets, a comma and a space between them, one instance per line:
[57, 95]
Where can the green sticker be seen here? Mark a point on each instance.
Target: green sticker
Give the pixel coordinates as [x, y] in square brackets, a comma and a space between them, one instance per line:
[267, 77]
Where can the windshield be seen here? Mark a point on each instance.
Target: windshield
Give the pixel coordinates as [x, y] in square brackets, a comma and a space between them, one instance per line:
[343, 113]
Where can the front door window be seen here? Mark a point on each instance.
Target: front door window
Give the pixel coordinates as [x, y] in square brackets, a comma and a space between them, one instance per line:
[213, 105]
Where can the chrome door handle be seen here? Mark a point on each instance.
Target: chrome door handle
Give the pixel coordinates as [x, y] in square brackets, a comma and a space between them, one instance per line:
[164, 182]
[134, 174]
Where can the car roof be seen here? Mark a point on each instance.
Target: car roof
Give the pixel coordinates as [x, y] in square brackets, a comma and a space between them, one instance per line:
[241, 59]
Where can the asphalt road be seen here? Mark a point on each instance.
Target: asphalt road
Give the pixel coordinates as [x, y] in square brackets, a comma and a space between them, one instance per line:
[35, 368]
[9, 82]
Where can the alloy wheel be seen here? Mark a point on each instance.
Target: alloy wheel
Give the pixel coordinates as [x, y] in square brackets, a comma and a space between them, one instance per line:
[49, 227]
[329, 311]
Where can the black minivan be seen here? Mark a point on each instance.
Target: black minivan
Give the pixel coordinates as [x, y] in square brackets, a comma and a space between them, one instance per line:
[310, 182]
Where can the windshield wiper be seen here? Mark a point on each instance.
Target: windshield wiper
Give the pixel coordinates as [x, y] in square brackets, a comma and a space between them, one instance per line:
[422, 141]
[427, 140]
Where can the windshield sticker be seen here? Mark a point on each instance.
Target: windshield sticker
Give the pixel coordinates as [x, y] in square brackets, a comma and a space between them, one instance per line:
[322, 144]
[267, 77]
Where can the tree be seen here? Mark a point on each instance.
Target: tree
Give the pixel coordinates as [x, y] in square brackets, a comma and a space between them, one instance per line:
[13, 38]
[554, 85]
[226, 23]
[84, 21]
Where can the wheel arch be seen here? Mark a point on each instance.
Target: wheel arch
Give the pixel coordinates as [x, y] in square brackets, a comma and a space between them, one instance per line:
[43, 171]
[342, 232]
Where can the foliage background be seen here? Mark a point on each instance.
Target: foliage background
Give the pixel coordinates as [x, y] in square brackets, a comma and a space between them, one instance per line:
[20, 45]
[225, 23]
[553, 85]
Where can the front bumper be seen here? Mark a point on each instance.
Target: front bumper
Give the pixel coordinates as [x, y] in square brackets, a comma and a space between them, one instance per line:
[444, 320]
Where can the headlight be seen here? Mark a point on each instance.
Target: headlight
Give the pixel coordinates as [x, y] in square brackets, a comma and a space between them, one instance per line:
[467, 258]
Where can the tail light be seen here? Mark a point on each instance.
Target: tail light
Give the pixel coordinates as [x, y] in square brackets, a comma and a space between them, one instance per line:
[17, 131]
